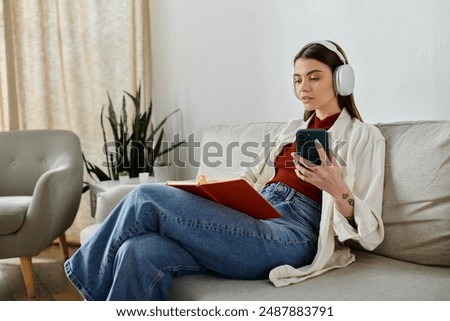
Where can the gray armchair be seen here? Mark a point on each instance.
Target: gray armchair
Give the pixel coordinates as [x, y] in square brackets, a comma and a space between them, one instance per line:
[41, 178]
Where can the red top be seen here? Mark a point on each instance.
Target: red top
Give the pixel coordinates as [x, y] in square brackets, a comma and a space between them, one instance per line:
[284, 165]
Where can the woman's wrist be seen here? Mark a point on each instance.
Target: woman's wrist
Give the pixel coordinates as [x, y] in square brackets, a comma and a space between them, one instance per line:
[347, 197]
[345, 202]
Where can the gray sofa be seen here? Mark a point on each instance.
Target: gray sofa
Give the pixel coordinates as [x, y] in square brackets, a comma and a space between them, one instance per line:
[413, 261]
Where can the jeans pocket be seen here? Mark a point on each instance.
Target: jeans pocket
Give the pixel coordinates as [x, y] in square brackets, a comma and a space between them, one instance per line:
[272, 196]
[306, 212]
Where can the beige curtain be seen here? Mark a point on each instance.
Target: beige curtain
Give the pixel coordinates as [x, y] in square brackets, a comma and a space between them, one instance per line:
[60, 58]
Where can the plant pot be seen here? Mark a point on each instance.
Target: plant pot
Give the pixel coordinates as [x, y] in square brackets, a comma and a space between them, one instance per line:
[144, 177]
[163, 172]
[124, 179]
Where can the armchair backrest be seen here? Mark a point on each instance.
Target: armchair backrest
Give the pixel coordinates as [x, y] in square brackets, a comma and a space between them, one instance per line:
[27, 154]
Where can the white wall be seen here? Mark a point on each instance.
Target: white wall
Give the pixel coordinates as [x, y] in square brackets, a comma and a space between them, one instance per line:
[230, 61]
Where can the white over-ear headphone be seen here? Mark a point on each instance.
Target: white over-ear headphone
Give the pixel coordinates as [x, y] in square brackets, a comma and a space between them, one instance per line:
[343, 76]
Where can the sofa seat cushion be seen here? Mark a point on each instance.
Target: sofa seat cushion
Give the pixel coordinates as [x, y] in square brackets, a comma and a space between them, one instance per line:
[370, 277]
[416, 204]
[13, 210]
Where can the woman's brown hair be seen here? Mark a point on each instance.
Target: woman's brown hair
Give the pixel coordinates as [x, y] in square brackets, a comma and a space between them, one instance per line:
[324, 55]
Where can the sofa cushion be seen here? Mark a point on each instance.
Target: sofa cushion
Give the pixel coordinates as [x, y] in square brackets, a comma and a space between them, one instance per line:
[106, 201]
[370, 277]
[226, 148]
[416, 206]
[13, 210]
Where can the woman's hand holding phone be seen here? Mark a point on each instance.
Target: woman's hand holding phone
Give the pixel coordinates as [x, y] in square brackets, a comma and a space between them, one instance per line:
[324, 176]
[327, 176]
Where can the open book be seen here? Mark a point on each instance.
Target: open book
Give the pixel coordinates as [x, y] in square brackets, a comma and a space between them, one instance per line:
[234, 193]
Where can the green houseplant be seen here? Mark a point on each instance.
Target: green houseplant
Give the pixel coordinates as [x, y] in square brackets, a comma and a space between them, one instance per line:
[133, 149]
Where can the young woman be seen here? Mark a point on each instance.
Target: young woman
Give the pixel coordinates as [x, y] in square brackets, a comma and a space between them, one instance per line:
[158, 232]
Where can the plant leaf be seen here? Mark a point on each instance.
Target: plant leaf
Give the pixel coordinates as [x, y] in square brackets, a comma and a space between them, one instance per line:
[93, 169]
[112, 118]
[133, 148]
[170, 148]
[161, 124]
[104, 140]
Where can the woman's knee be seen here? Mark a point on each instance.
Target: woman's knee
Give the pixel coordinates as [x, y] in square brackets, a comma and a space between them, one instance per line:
[154, 191]
[147, 189]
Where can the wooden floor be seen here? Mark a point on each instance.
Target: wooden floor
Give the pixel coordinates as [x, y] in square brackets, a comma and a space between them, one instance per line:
[49, 278]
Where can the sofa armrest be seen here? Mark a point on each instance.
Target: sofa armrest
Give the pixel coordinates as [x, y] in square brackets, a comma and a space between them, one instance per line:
[106, 201]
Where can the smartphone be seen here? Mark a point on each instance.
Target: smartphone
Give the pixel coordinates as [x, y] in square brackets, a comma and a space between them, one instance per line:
[305, 145]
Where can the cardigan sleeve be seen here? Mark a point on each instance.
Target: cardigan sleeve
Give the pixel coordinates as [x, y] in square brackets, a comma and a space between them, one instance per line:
[367, 187]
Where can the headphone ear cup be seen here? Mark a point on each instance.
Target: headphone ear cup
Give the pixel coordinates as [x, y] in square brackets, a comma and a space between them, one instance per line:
[344, 80]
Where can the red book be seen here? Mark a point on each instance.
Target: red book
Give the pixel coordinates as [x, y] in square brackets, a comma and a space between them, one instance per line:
[236, 193]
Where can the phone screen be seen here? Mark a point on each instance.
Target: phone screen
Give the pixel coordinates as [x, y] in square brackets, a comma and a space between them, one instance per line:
[305, 143]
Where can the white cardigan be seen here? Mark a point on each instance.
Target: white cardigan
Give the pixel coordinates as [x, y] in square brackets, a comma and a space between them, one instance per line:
[360, 150]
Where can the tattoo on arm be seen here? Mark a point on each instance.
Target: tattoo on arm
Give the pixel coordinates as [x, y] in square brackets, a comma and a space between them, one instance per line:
[350, 201]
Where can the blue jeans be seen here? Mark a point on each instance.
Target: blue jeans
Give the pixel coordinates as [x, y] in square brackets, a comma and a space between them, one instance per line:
[157, 233]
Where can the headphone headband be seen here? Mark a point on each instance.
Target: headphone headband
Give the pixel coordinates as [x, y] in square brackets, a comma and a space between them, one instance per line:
[332, 47]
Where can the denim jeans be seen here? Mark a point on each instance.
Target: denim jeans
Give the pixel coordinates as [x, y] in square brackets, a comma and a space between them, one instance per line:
[158, 232]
